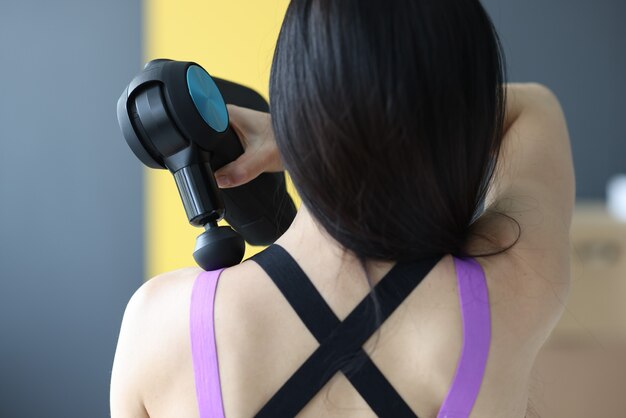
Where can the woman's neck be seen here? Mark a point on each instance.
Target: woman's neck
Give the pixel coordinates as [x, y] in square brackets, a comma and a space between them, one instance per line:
[307, 239]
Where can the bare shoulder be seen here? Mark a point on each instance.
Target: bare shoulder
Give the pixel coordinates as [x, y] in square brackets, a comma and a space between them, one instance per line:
[161, 308]
[160, 311]
[158, 305]
[153, 344]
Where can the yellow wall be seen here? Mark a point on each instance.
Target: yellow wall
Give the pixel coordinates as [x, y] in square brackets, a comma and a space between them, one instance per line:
[232, 39]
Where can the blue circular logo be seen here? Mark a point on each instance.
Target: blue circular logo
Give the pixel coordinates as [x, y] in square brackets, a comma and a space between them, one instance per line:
[207, 98]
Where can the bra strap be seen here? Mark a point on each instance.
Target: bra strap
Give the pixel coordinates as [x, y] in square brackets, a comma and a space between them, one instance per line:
[203, 349]
[476, 317]
[340, 342]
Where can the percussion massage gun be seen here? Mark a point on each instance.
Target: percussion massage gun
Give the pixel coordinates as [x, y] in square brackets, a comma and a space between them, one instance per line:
[173, 116]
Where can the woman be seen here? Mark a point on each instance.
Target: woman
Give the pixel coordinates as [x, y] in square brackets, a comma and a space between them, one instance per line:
[396, 127]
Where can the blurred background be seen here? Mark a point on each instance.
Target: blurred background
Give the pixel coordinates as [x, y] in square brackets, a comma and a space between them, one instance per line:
[82, 224]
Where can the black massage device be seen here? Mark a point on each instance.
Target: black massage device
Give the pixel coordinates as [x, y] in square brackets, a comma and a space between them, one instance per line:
[173, 115]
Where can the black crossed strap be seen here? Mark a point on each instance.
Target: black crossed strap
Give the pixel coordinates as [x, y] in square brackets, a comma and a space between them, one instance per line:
[340, 342]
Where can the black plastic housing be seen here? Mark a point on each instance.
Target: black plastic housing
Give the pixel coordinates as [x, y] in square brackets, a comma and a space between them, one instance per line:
[164, 129]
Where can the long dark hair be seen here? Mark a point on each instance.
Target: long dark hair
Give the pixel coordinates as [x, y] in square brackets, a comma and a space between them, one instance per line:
[389, 117]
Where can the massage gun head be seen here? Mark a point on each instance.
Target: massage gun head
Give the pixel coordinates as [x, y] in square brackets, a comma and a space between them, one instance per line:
[217, 247]
[173, 116]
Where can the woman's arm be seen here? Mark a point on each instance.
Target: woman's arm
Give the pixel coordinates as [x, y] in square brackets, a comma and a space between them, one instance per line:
[534, 183]
[126, 376]
[535, 168]
[536, 150]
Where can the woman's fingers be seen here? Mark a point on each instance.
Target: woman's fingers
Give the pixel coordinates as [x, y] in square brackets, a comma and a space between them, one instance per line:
[260, 152]
[249, 166]
[238, 172]
[248, 120]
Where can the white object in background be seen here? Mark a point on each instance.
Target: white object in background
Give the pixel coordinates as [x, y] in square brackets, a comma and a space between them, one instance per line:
[616, 196]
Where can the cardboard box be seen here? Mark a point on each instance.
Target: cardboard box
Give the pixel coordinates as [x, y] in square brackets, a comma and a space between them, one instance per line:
[581, 370]
[596, 307]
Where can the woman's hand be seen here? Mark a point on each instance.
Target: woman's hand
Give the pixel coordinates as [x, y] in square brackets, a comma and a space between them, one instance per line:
[254, 129]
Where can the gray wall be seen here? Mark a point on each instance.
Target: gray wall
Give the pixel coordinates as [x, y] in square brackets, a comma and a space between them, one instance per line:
[70, 202]
[578, 49]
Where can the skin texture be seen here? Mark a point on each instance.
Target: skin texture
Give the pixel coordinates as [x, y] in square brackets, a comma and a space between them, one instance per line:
[261, 341]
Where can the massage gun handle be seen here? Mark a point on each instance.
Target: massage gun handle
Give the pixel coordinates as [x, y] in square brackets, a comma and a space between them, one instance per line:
[260, 210]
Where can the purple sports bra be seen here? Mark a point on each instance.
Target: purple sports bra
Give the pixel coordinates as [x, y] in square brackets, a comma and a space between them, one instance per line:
[475, 313]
